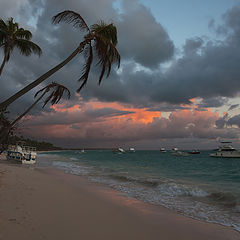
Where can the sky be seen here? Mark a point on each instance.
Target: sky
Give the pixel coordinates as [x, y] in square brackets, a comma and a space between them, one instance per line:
[178, 84]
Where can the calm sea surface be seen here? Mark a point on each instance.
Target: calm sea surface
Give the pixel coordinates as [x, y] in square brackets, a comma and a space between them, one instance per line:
[198, 186]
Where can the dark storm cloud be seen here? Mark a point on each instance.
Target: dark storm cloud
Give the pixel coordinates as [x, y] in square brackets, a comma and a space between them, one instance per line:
[235, 120]
[207, 69]
[222, 121]
[167, 108]
[141, 38]
[62, 118]
[58, 42]
[234, 106]
[212, 102]
[192, 45]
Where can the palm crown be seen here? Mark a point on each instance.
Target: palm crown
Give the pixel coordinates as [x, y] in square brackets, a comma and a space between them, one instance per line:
[104, 37]
[57, 92]
[12, 36]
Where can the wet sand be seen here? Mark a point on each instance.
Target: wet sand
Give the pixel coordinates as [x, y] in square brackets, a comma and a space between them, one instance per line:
[49, 204]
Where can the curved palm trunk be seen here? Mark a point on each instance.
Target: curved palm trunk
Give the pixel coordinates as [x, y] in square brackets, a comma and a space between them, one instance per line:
[29, 109]
[29, 87]
[3, 63]
[5, 132]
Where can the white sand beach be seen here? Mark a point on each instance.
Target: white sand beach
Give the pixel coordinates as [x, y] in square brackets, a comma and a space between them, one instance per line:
[49, 204]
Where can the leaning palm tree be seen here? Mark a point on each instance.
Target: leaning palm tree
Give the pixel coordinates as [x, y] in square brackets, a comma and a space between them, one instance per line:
[57, 92]
[100, 38]
[12, 36]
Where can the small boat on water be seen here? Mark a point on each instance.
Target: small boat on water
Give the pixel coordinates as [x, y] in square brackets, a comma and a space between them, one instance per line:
[119, 150]
[21, 154]
[194, 152]
[226, 150]
[163, 150]
[176, 152]
[132, 150]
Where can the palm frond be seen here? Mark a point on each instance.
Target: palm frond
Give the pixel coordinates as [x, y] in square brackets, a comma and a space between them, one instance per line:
[57, 92]
[72, 18]
[108, 31]
[87, 66]
[27, 47]
[12, 26]
[107, 54]
[3, 25]
[23, 34]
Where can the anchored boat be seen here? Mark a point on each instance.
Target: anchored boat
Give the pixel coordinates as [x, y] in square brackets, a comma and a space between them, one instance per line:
[226, 150]
[21, 154]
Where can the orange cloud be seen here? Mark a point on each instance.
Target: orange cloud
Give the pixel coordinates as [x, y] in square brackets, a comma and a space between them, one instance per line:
[141, 115]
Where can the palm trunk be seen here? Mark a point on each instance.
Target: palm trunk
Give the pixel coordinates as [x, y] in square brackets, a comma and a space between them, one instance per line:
[29, 109]
[29, 87]
[3, 64]
[5, 132]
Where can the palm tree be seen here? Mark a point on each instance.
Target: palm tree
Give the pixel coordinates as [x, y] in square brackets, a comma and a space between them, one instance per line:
[101, 36]
[12, 36]
[57, 92]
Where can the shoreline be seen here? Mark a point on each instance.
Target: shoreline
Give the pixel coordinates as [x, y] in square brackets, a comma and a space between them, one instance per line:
[53, 196]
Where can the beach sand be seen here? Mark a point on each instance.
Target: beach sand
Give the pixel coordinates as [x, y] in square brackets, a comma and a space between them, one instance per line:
[49, 204]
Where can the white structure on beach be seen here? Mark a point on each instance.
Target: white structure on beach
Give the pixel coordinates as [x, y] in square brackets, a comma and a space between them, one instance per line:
[21, 154]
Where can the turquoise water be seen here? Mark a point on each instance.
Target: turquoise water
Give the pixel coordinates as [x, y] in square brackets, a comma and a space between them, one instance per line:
[198, 186]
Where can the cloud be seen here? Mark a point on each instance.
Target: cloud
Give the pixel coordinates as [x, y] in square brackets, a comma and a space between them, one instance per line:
[141, 38]
[109, 127]
[131, 99]
[234, 106]
[235, 120]
[212, 102]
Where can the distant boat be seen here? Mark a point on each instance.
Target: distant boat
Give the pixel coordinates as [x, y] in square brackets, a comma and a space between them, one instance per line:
[174, 149]
[132, 150]
[119, 150]
[21, 154]
[163, 150]
[194, 152]
[226, 150]
[176, 152]
[83, 151]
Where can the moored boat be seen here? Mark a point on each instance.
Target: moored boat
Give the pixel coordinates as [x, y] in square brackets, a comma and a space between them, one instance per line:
[176, 152]
[226, 150]
[132, 150]
[163, 150]
[21, 154]
[119, 150]
[194, 152]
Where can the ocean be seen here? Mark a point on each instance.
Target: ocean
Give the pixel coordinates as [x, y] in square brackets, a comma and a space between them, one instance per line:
[197, 186]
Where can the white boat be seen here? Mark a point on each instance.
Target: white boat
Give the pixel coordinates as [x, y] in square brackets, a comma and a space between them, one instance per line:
[226, 150]
[163, 150]
[21, 154]
[132, 150]
[176, 152]
[119, 150]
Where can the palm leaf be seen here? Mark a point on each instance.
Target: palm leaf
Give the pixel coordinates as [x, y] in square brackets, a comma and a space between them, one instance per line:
[57, 92]
[23, 34]
[71, 17]
[87, 66]
[27, 47]
[107, 54]
[107, 31]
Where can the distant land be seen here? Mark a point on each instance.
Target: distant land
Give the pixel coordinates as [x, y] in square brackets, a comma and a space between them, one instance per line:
[40, 145]
[46, 146]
